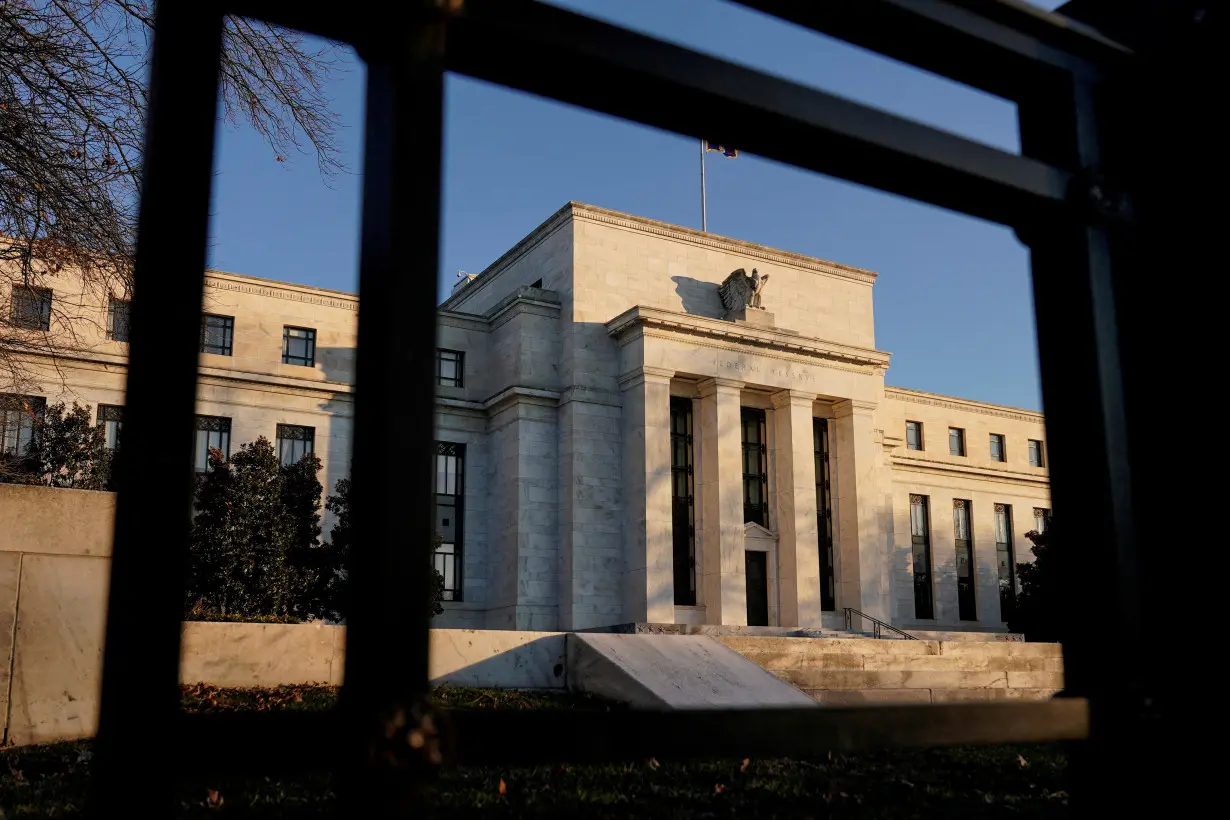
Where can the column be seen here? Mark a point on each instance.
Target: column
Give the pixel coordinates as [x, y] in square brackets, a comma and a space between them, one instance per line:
[798, 543]
[863, 562]
[648, 587]
[722, 583]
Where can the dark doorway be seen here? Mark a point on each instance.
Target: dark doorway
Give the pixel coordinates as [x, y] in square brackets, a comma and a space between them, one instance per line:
[757, 569]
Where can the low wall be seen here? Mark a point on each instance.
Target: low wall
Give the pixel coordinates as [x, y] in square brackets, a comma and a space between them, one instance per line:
[55, 548]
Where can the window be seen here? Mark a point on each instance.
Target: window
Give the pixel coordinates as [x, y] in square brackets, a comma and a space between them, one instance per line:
[449, 512]
[913, 435]
[217, 333]
[18, 415]
[299, 346]
[1042, 519]
[1006, 560]
[683, 502]
[920, 545]
[824, 515]
[755, 467]
[998, 453]
[212, 433]
[118, 312]
[1035, 453]
[967, 609]
[450, 367]
[956, 441]
[111, 419]
[31, 308]
[294, 442]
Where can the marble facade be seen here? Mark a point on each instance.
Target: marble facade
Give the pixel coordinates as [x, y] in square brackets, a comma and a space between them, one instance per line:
[575, 342]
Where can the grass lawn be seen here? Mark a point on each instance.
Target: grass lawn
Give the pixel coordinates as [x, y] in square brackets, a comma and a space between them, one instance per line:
[991, 781]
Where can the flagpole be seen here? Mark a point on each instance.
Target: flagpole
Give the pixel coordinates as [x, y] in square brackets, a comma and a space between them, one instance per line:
[704, 223]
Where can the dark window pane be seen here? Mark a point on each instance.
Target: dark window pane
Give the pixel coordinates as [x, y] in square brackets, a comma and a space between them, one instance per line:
[1006, 559]
[824, 516]
[920, 538]
[449, 516]
[299, 346]
[755, 467]
[217, 334]
[450, 368]
[683, 502]
[31, 308]
[118, 311]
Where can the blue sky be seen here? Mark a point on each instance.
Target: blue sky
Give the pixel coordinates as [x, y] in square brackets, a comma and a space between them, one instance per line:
[952, 301]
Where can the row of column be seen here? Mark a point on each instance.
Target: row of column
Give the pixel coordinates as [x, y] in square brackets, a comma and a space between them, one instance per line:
[648, 587]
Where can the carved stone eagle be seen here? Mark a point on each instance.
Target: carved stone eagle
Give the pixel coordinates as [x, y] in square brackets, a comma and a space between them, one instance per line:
[740, 291]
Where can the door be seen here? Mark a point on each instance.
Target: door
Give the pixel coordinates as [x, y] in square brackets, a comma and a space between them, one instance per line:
[757, 569]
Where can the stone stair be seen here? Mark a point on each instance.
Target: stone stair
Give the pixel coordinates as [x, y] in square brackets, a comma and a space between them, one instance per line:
[857, 670]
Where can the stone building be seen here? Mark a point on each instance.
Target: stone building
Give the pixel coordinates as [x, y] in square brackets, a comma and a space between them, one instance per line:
[619, 444]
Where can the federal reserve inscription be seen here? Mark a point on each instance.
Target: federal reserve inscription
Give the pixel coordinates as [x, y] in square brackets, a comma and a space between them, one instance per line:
[778, 372]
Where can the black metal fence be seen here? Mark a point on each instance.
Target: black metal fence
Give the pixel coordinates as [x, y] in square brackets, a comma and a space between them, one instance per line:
[1083, 194]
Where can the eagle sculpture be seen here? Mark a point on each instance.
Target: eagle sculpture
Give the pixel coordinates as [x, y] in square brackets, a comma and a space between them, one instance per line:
[740, 291]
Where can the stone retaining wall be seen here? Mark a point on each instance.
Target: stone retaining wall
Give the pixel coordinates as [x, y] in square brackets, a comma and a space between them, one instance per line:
[854, 671]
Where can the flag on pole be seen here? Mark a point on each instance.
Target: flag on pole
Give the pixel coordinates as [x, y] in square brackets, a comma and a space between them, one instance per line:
[710, 145]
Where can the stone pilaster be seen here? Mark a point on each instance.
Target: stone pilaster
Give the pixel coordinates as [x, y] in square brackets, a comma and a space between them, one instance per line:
[863, 560]
[648, 586]
[798, 556]
[722, 583]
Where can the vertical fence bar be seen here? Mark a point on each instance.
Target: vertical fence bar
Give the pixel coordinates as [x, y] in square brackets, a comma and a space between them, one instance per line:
[140, 685]
[384, 698]
[1076, 276]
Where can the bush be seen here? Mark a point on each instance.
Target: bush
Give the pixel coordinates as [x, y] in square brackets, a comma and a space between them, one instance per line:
[67, 450]
[1039, 607]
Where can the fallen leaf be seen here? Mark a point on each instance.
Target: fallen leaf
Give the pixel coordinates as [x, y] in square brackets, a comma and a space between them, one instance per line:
[212, 799]
[1024, 764]
[503, 786]
[653, 763]
[718, 788]
[746, 761]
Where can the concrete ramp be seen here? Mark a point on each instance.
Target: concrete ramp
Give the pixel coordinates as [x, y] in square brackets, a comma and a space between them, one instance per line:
[673, 672]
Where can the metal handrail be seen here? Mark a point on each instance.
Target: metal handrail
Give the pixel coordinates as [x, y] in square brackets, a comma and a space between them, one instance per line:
[877, 626]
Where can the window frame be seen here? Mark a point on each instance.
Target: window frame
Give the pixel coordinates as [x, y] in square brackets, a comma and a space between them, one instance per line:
[963, 539]
[460, 360]
[40, 299]
[26, 409]
[308, 360]
[281, 441]
[209, 425]
[683, 500]
[228, 332]
[918, 428]
[456, 548]
[1036, 450]
[112, 324]
[106, 415]
[920, 546]
[824, 515]
[755, 512]
[1002, 440]
[1005, 557]
[960, 435]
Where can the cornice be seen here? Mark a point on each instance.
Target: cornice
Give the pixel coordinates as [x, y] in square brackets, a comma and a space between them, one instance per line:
[711, 241]
[962, 405]
[650, 318]
[906, 463]
[218, 280]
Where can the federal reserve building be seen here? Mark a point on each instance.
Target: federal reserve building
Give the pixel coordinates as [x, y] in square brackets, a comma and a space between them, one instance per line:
[636, 423]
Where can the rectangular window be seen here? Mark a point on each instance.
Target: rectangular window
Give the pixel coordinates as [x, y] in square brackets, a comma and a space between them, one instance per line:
[212, 433]
[31, 308]
[824, 515]
[111, 419]
[450, 368]
[683, 501]
[755, 466]
[956, 441]
[967, 609]
[920, 540]
[299, 346]
[1006, 559]
[294, 442]
[1035, 453]
[449, 513]
[217, 334]
[913, 435]
[118, 312]
[18, 416]
[1042, 519]
[998, 453]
